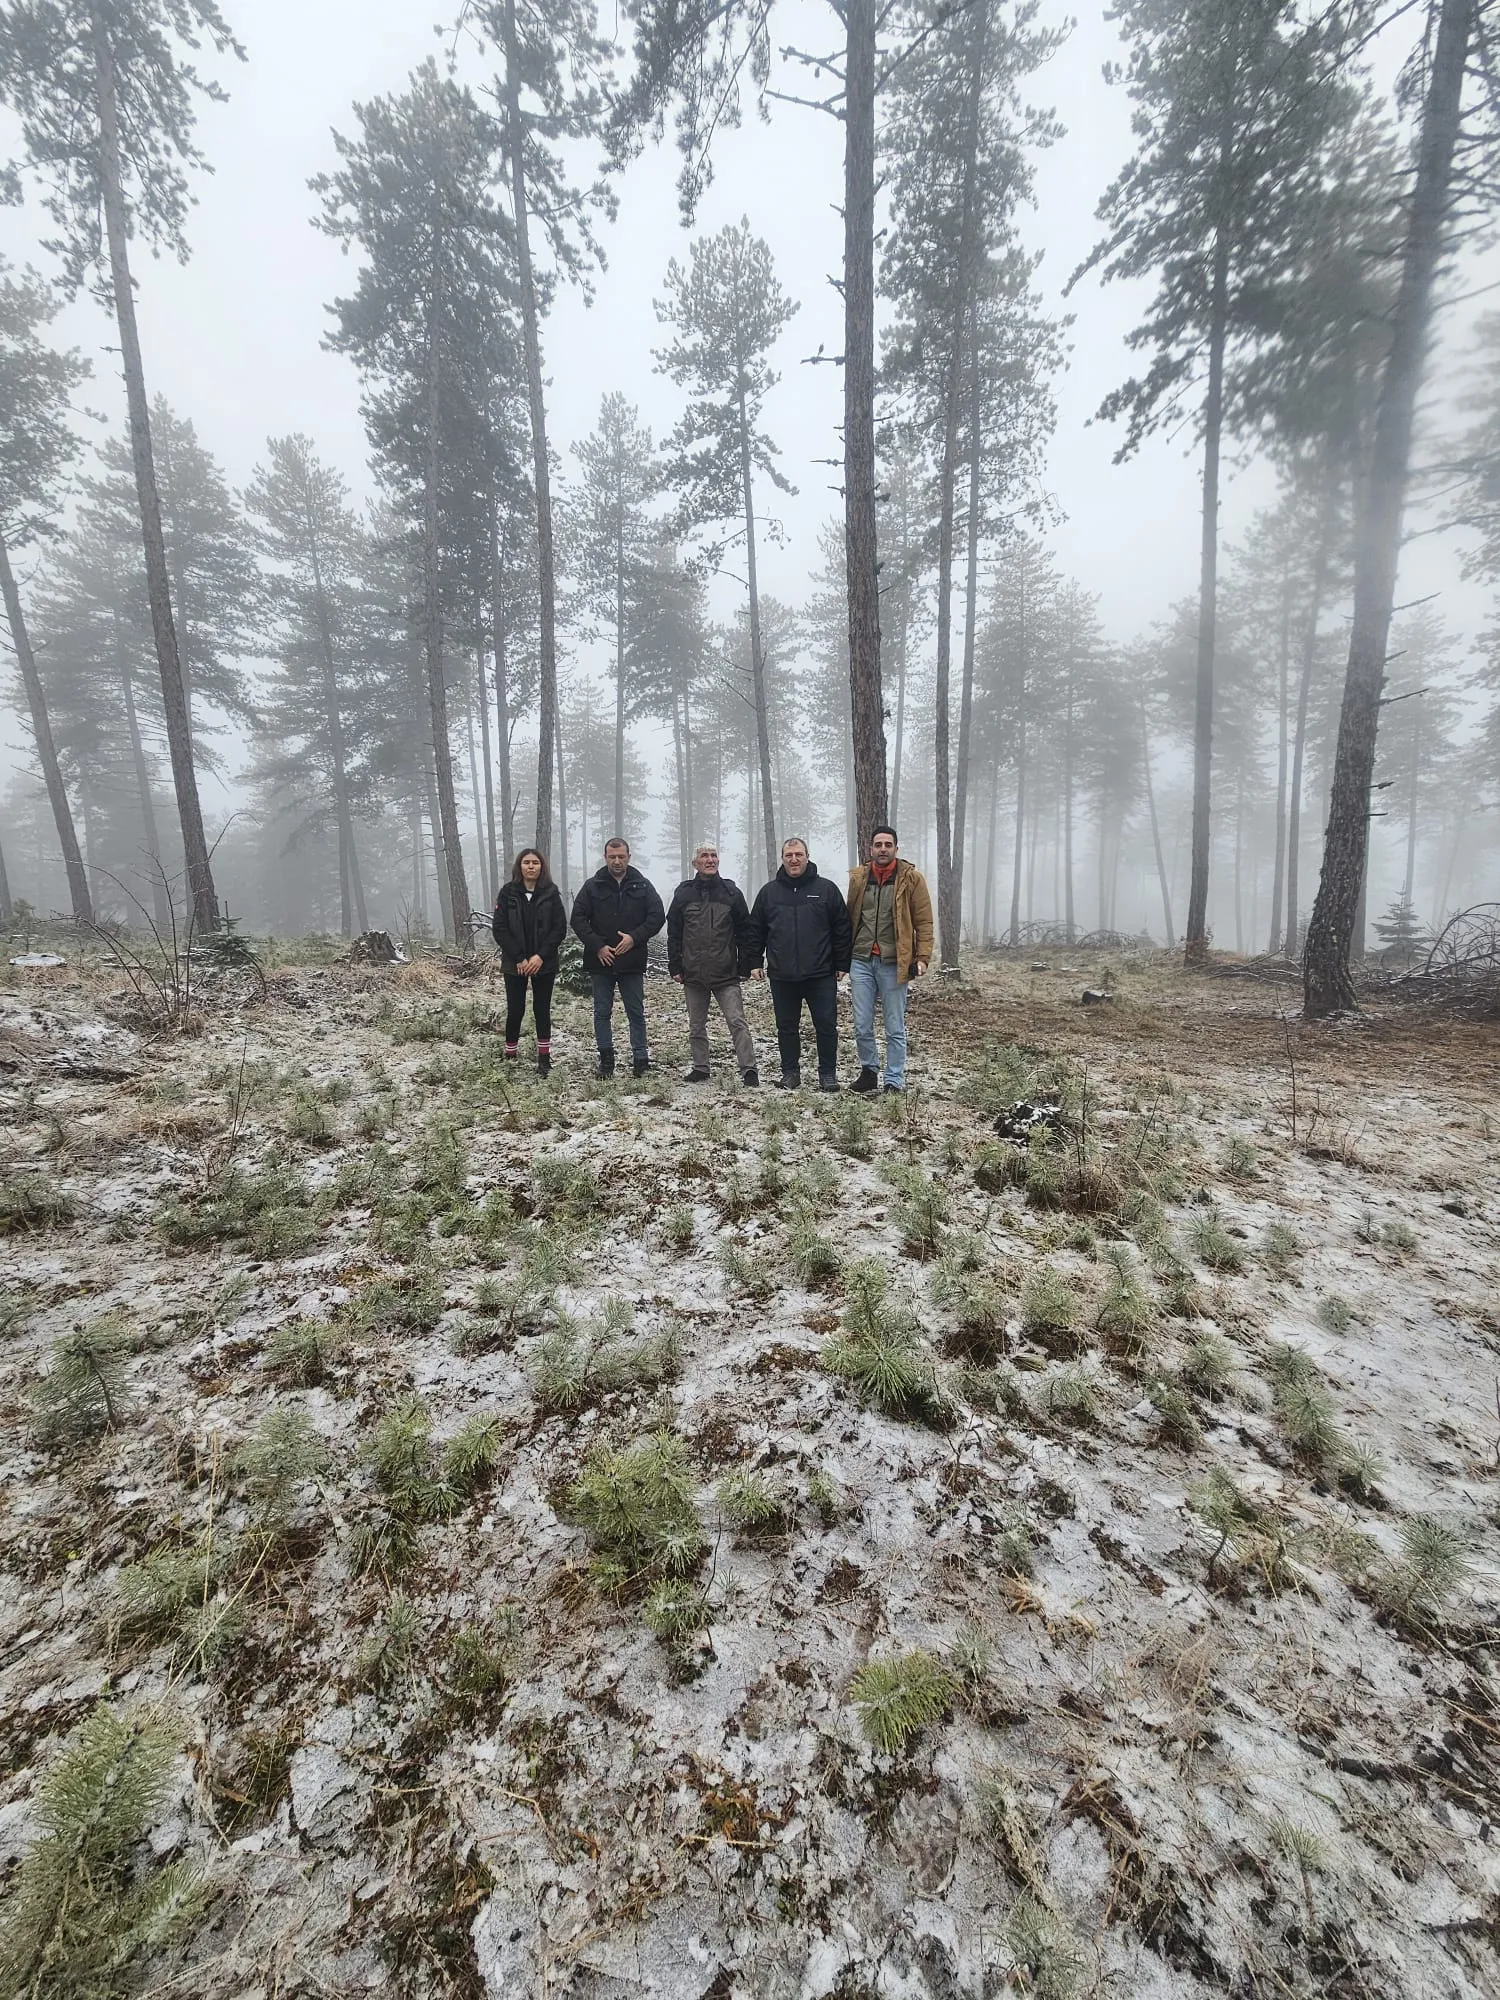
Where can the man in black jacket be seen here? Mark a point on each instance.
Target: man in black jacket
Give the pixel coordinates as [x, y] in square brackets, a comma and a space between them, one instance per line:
[799, 929]
[707, 929]
[614, 914]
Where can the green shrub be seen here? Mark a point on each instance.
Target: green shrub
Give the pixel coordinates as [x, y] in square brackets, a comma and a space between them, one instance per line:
[921, 1214]
[1208, 1365]
[280, 1457]
[31, 1202]
[812, 1256]
[83, 1391]
[389, 1656]
[1212, 1244]
[1127, 1315]
[748, 1271]
[1335, 1314]
[897, 1699]
[86, 1909]
[1049, 1305]
[998, 1166]
[748, 1502]
[1434, 1562]
[637, 1507]
[575, 1363]
[177, 1594]
[410, 1303]
[1280, 1247]
[1071, 1393]
[300, 1352]
[881, 1352]
[679, 1227]
[566, 1190]
[675, 1609]
[849, 1122]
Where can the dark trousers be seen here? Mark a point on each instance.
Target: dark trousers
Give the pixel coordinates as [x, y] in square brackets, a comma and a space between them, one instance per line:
[822, 997]
[541, 984]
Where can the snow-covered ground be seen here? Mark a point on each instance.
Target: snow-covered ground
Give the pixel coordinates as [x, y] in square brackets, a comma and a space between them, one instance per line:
[1184, 1737]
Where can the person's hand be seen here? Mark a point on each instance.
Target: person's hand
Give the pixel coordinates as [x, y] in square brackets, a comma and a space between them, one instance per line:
[677, 978]
[606, 954]
[921, 968]
[626, 941]
[534, 964]
[757, 972]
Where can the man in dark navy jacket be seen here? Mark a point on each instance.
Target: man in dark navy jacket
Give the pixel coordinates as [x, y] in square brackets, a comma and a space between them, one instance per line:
[614, 915]
[799, 931]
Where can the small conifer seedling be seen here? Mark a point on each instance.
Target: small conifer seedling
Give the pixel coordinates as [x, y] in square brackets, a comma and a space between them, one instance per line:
[897, 1699]
[83, 1391]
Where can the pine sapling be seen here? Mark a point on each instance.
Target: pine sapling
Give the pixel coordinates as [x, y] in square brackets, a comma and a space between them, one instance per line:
[83, 1391]
[897, 1699]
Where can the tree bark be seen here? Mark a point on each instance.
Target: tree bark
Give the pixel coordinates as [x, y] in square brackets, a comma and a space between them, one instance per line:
[7, 907]
[1283, 666]
[456, 913]
[1196, 952]
[502, 693]
[46, 748]
[161, 909]
[1327, 983]
[562, 811]
[202, 900]
[757, 651]
[1292, 939]
[1067, 799]
[1161, 866]
[971, 609]
[619, 652]
[351, 888]
[547, 731]
[487, 753]
[435, 827]
[487, 893]
[867, 711]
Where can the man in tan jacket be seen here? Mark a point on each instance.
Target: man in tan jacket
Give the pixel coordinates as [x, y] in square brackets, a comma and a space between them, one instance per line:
[890, 914]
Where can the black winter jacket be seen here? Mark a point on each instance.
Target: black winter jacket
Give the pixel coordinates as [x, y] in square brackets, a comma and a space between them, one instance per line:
[604, 907]
[708, 926]
[532, 929]
[799, 927]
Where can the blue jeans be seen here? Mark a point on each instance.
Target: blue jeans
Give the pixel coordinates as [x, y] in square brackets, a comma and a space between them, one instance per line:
[632, 987]
[869, 979]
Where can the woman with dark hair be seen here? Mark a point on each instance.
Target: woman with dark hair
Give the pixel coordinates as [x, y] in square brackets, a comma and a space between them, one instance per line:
[530, 924]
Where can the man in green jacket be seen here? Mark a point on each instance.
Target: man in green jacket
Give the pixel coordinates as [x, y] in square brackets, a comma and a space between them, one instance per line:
[890, 914]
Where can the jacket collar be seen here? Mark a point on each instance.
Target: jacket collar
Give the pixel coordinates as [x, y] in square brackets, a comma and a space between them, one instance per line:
[809, 874]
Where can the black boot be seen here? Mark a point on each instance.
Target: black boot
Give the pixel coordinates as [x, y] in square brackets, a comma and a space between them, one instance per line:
[868, 1079]
[640, 1065]
[750, 1078]
[789, 1079]
[606, 1064]
[544, 1062]
[829, 1081]
[695, 1076]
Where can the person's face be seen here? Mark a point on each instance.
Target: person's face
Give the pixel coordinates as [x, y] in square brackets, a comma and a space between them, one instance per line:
[794, 858]
[882, 850]
[706, 861]
[617, 858]
[531, 869]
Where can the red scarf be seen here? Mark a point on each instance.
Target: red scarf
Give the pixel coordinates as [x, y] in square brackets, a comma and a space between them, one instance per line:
[882, 875]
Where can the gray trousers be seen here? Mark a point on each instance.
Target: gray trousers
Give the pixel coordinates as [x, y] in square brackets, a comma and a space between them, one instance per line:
[732, 1006]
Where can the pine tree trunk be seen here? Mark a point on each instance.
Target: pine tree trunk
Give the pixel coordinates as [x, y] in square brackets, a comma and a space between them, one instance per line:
[351, 889]
[681, 776]
[1013, 936]
[1161, 866]
[46, 749]
[1411, 808]
[161, 906]
[547, 754]
[971, 614]
[757, 651]
[486, 750]
[1203, 725]
[903, 641]
[435, 829]
[866, 708]
[1278, 876]
[562, 813]
[1292, 936]
[619, 659]
[450, 860]
[201, 897]
[1067, 801]
[486, 891]
[502, 692]
[7, 907]
[987, 928]
[1327, 984]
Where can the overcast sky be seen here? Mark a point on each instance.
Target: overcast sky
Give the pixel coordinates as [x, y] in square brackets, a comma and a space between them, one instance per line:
[233, 339]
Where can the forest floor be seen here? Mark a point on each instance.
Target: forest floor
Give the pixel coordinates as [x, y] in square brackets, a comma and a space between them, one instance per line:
[589, 1539]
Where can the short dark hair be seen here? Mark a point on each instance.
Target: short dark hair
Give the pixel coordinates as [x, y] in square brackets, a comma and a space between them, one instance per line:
[617, 840]
[544, 880]
[885, 829]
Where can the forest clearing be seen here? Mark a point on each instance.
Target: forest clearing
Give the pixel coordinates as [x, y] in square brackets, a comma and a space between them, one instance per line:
[473, 1533]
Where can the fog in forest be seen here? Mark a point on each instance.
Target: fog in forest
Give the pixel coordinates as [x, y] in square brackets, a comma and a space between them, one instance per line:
[344, 428]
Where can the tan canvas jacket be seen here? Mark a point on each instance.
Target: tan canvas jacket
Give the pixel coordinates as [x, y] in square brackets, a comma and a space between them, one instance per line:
[913, 915]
